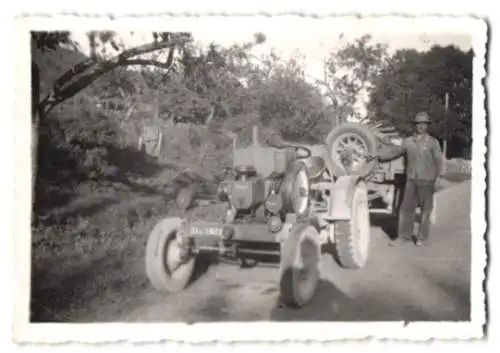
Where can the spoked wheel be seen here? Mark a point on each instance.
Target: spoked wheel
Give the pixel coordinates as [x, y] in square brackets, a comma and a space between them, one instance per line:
[299, 266]
[352, 237]
[349, 150]
[348, 146]
[167, 268]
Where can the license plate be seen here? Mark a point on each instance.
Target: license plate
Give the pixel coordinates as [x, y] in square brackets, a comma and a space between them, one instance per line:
[320, 206]
[213, 231]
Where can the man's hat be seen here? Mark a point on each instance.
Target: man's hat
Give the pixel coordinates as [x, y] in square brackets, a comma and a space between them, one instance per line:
[421, 117]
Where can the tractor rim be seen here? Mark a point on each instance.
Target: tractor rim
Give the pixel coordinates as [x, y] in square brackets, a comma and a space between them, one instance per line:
[353, 144]
[301, 190]
[174, 264]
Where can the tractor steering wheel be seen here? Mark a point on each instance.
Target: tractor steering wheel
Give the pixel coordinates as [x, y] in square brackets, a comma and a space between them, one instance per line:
[306, 152]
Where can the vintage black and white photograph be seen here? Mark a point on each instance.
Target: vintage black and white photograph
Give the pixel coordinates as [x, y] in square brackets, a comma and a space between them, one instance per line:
[265, 171]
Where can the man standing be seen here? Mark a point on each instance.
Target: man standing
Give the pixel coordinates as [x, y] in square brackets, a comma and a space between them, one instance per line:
[424, 163]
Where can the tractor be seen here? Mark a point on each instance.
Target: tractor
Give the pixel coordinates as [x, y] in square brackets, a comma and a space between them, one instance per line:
[292, 201]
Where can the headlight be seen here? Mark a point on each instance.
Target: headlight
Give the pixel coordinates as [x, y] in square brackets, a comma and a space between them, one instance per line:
[223, 191]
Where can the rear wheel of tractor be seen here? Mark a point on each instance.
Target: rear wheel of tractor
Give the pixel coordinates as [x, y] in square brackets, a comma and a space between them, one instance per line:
[299, 266]
[352, 237]
[165, 268]
[360, 141]
[297, 187]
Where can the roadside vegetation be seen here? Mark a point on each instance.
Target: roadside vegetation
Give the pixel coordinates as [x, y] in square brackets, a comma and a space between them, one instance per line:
[98, 192]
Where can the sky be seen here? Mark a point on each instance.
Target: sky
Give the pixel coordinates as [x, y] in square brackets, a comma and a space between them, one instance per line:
[314, 46]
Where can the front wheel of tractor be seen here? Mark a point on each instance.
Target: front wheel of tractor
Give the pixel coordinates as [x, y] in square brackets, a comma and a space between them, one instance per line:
[299, 266]
[352, 237]
[166, 266]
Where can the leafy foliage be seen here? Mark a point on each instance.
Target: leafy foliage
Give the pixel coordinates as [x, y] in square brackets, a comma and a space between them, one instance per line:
[350, 73]
[418, 81]
[46, 41]
[291, 106]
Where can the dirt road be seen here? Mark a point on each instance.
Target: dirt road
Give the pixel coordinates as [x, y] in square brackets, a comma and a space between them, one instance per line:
[405, 283]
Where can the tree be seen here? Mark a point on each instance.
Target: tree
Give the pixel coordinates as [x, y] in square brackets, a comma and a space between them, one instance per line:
[86, 72]
[291, 105]
[416, 81]
[349, 76]
[220, 86]
[279, 99]
[175, 76]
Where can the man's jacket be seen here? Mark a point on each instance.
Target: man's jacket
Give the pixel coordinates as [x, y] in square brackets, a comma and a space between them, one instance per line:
[424, 159]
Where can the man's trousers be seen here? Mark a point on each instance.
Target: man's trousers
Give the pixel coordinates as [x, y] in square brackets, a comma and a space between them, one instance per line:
[418, 193]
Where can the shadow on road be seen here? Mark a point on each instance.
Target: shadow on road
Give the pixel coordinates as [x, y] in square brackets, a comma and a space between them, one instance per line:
[332, 304]
[457, 290]
[389, 225]
[201, 266]
[328, 303]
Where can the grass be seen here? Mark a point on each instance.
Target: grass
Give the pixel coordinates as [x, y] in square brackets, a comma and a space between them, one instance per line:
[90, 230]
[92, 255]
[89, 253]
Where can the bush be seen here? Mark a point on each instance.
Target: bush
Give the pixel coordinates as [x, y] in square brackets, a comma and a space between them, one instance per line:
[83, 146]
[457, 170]
[196, 146]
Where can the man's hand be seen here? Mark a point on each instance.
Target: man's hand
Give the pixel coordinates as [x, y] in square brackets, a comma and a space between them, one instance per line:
[370, 158]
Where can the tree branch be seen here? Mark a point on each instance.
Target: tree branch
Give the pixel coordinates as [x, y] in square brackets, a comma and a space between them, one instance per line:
[147, 62]
[98, 68]
[123, 56]
[151, 62]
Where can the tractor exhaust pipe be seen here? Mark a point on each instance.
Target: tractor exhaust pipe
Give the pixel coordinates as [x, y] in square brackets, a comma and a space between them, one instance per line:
[255, 136]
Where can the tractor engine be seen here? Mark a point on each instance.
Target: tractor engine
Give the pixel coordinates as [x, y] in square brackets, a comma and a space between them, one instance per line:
[276, 195]
[245, 193]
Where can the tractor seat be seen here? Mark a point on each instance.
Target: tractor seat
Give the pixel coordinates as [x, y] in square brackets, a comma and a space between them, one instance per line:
[316, 166]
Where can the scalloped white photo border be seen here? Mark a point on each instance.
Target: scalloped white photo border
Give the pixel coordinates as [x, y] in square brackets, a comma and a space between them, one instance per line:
[256, 331]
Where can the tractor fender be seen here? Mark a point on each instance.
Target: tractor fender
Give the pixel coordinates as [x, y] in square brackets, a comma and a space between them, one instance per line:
[341, 194]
